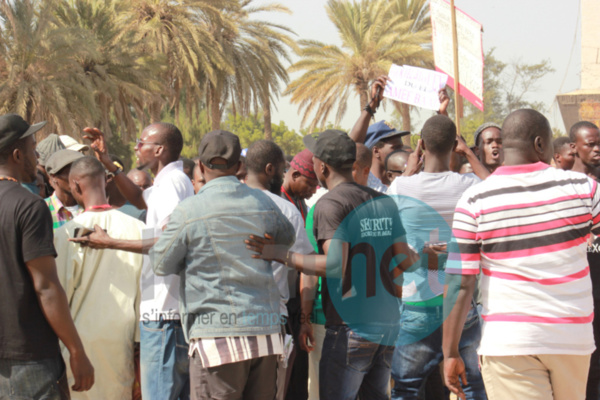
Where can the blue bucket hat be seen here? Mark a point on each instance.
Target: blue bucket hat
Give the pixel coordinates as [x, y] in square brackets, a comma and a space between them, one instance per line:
[380, 131]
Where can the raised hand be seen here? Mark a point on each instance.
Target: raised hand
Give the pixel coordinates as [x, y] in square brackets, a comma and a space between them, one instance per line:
[461, 146]
[444, 101]
[415, 160]
[378, 86]
[98, 145]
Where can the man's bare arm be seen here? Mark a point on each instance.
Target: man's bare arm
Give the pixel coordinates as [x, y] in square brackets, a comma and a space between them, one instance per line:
[100, 240]
[478, 168]
[54, 304]
[457, 300]
[359, 131]
[309, 264]
[308, 292]
[127, 188]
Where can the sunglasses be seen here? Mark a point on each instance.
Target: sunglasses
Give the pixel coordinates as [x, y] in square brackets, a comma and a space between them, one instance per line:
[140, 141]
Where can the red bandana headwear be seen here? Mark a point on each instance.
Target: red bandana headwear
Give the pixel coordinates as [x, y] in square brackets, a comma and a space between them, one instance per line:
[303, 163]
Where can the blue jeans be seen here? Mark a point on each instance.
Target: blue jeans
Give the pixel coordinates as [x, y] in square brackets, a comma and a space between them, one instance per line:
[36, 379]
[419, 351]
[351, 365]
[164, 362]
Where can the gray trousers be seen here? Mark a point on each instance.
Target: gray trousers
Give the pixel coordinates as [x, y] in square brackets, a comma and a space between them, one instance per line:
[254, 379]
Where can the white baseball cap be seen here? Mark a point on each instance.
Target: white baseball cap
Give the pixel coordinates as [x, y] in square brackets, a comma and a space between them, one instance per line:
[73, 144]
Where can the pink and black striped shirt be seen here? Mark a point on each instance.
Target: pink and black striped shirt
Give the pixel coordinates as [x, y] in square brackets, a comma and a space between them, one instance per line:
[525, 228]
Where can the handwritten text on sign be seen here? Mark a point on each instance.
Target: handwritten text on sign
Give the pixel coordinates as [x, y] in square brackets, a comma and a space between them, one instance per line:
[415, 86]
[470, 50]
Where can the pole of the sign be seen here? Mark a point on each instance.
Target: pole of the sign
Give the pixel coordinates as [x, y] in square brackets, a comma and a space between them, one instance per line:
[457, 97]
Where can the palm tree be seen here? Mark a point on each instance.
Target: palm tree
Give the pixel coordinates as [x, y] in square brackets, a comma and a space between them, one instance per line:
[178, 31]
[123, 79]
[254, 50]
[41, 79]
[374, 34]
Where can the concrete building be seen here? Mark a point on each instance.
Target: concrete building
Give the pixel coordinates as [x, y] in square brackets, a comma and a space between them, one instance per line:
[584, 104]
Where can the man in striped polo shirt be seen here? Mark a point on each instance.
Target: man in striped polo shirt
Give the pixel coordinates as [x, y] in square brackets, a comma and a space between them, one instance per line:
[525, 228]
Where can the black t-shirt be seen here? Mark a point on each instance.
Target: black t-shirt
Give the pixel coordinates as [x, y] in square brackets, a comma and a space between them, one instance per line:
[25, 234]
[369, 221]
[593, 256]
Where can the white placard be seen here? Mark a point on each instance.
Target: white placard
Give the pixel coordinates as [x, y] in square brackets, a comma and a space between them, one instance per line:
[470, 50]
[415, 86]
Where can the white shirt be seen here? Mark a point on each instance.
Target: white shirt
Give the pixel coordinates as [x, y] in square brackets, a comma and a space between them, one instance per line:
[315, 197]
[160, 294]
[302, 246]
[375, 183]
[426, 202]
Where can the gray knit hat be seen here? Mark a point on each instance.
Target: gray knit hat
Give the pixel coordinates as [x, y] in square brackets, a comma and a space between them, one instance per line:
[482, 128]
[49, 146]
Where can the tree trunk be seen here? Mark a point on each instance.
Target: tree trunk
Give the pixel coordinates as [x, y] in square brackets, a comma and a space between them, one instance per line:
[363, 93]
[405, 113]
[215, 111]
[267, 117]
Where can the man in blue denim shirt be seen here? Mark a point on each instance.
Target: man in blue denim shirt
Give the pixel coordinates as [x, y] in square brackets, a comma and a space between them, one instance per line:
[229, 300]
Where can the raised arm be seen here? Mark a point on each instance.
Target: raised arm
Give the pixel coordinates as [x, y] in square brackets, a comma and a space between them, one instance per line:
[359, 131]
[129, 189]
[54, 304]
[478, 168]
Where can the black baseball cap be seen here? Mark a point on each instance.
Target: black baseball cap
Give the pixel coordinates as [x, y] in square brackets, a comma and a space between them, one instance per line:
[220, 144]
[13, 127]
[333, 147]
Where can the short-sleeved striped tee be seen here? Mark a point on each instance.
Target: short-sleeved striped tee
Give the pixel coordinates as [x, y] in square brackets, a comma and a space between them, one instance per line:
[525, 228]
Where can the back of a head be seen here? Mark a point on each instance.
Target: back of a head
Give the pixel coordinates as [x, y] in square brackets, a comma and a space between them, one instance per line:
[261, 153]
[439, 134]
[364, 156]
[577, 126]
[87, 167]
[188, 167]
[401, 154]
[560, 142]
[171, 138]
[521, 127]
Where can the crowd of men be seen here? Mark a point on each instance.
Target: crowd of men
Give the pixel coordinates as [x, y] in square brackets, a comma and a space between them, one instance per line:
[361, 268]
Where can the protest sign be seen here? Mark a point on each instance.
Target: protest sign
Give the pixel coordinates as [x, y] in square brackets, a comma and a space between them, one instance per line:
[415, 86]
[470, 50]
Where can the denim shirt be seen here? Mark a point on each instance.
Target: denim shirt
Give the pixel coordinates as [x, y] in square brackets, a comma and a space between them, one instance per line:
[224, 291]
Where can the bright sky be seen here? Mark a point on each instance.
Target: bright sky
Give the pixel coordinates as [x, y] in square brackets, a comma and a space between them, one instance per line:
[520, 30]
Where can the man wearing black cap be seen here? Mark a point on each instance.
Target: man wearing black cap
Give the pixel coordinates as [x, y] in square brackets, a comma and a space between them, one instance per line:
[34, 312]
[359, 234]
[62, 204]
[230, 300]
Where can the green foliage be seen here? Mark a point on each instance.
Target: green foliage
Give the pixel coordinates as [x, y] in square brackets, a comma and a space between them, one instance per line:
[506, 88]
[119, 65]
[251, 129]
[374, 34]
[192, 127]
